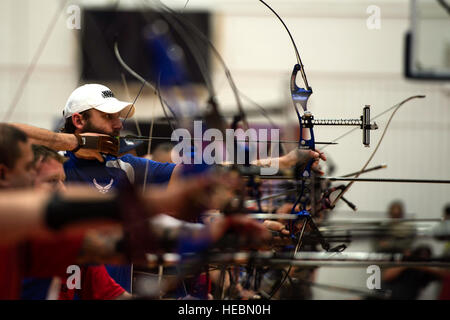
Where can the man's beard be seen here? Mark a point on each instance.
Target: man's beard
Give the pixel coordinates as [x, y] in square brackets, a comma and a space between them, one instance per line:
[89, 127]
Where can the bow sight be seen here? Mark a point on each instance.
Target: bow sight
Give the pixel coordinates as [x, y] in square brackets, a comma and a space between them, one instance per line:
[301, 96]
[308, 121]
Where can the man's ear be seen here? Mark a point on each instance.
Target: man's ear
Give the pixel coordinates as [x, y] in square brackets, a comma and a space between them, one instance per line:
[78, 121]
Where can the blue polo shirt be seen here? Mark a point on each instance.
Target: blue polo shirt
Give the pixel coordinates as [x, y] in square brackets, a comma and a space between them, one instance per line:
[107, 175]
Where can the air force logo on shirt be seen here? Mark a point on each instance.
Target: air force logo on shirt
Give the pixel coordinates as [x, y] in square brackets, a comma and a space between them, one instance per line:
[103, 189]
[119, 164]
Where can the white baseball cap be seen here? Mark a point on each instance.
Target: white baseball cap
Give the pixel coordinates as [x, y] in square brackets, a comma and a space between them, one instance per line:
[96, 96]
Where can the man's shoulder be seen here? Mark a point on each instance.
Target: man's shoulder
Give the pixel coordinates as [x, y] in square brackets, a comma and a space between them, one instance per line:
[131, 159]
[139, 160]
[70, 160]
[157, 171]
[73, 161]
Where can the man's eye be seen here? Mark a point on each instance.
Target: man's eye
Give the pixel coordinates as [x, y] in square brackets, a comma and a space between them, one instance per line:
[110, 117]
[53, 181]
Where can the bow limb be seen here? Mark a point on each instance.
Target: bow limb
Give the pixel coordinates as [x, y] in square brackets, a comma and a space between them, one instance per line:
[155, 90]
[176, 20]
[203, 38]
[142, 80]
[125, 84]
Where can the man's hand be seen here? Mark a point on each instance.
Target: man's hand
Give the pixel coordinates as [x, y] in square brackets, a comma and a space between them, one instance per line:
[302, 157]
[250, 231]
[91, 145]
[282, 238]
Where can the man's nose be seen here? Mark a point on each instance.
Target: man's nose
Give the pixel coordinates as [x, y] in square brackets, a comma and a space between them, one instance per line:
[117, 124]
[61, 186]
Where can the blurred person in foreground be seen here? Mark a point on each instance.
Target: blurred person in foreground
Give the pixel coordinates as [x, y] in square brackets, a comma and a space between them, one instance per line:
[30, 247]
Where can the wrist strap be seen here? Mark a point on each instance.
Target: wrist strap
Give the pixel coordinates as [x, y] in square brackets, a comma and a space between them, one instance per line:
[80, 142]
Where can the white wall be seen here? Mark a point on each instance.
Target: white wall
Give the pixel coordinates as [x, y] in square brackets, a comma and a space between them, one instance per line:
[347, 65]
[22, 26]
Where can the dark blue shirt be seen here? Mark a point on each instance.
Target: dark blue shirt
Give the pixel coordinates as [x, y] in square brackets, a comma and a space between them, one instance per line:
[107, 175]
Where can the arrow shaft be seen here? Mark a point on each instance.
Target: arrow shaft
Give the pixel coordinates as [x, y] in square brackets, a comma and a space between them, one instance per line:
[388, 180]
[199, 139]
[393, 180]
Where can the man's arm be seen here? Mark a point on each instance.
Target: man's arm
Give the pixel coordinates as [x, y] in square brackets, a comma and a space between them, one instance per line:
[292, 158]
[50, 139]
[296, 156]
[87, 145]
[28, 213]
[21, 214]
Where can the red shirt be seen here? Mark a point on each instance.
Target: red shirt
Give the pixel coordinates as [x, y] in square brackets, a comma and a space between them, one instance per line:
[43, 258]
[10, 273]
